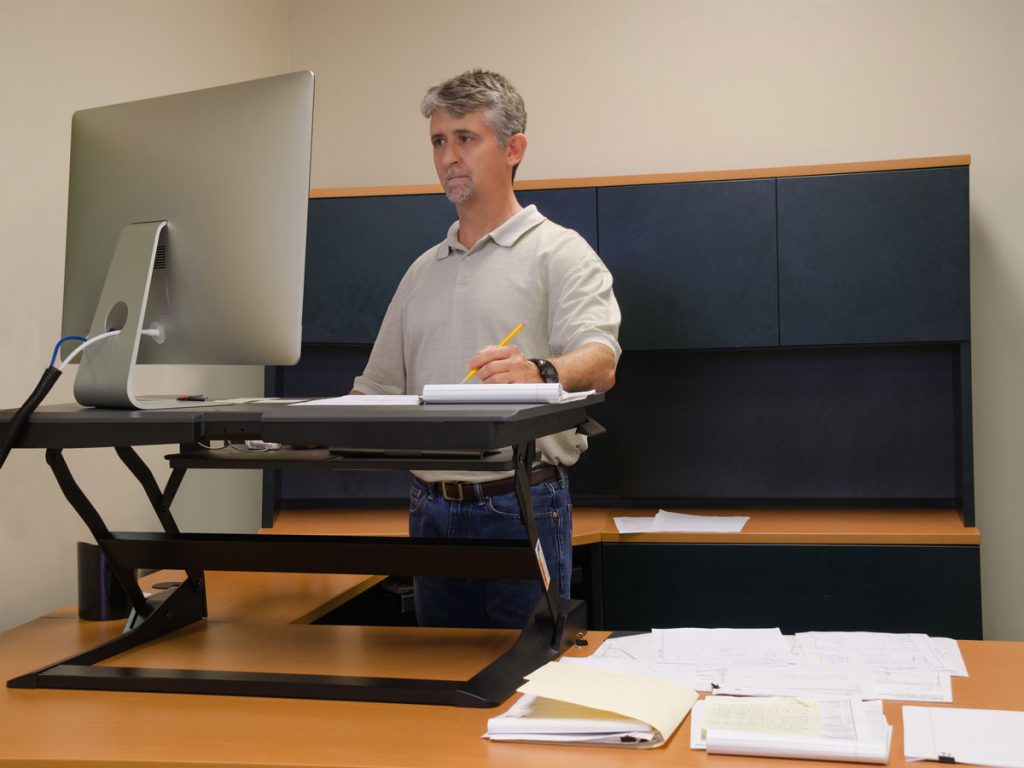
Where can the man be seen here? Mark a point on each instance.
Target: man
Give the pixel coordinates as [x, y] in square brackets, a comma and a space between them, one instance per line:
[499, 266]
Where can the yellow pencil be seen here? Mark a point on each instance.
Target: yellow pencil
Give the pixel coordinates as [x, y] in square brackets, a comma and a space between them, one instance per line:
[501, 343]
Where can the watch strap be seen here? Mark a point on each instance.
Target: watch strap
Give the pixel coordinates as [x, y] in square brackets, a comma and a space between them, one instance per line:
[548, 372]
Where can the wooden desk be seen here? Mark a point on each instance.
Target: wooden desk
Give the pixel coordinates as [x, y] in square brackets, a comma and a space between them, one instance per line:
[588, 524]
[820, 526]
[592, 525]
[264, 598]
[58, 728]
[801, 558]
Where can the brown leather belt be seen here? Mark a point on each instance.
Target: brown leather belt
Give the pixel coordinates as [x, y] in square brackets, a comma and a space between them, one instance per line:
[478, 492]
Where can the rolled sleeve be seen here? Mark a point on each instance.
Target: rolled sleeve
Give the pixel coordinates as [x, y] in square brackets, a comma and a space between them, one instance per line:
[385, 371]
[583, 306]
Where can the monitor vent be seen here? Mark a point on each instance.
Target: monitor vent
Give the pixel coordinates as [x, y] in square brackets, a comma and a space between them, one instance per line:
[161, 257]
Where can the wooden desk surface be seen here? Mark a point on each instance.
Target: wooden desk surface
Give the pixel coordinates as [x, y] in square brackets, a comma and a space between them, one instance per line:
[264, 598]
[130, 730]
[766, 526]
[822, 526]
[588, 524]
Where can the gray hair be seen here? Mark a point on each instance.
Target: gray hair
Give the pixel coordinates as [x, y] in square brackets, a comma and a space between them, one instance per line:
[478, 89]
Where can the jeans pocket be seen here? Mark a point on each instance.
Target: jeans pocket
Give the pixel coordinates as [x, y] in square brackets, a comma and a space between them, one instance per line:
[507, 505]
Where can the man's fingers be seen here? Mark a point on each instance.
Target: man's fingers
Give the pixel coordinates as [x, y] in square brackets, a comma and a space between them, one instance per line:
[491, 354]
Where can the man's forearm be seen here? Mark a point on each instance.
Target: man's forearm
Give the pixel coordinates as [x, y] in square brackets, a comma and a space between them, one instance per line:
[590, 366]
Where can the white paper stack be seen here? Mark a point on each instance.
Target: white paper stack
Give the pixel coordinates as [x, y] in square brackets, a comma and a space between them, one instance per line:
[499, 393]
[904, 667]
[763, 662]
[363, 400]
[575, 704]
[977, 736]
[812, 729]
[534, 718]
[723, 647]
[680, 522]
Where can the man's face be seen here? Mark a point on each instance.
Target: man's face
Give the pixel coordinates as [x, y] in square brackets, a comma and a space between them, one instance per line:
[470, 165]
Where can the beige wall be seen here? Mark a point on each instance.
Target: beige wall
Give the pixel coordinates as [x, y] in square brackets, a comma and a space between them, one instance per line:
[56, 57]
[647, 86]
[612, 88]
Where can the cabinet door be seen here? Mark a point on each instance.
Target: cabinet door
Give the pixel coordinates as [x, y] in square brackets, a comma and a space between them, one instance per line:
[874, 257]
[829, 587]
[694, 264]
[838, 426]
[357, 249]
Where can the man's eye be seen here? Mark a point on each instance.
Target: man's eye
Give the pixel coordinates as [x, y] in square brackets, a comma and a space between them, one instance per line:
[437, 142]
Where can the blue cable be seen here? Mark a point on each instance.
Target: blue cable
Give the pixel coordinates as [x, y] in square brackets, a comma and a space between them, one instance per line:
[56, 349]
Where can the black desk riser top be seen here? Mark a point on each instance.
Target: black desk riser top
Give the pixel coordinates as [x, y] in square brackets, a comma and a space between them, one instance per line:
[487, 427]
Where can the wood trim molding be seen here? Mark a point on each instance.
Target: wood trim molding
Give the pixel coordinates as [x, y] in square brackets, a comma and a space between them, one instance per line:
[913, 163]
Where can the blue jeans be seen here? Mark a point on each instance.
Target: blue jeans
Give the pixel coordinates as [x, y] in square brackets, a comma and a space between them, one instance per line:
[505, 603]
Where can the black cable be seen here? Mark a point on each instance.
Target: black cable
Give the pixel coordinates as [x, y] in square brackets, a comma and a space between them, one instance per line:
[17, 423]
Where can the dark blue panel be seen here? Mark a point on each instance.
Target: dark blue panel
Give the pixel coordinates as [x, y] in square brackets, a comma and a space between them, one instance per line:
[324, 370]
[931, 589]
[694, 264]
[861, 424]
[875, 257]
[328, 371]
[572, 208]
[357, 250]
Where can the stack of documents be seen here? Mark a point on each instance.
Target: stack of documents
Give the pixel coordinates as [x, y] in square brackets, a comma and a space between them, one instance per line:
[573, 704]
[978, 736]
[679, 522]
[500, 393]
[464, 393]
[907, 667]
[725, 647]
[815, 729]
[762, 662]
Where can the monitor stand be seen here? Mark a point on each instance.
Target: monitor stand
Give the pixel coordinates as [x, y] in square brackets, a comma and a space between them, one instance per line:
[104, 377]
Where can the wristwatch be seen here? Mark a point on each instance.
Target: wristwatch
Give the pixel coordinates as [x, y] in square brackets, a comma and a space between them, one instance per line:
[548, 372]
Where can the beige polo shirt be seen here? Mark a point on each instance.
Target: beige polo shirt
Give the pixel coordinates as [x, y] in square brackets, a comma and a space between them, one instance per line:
[453, 302]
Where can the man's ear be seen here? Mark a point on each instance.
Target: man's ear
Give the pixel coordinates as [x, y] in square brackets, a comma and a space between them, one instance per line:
[515, 149]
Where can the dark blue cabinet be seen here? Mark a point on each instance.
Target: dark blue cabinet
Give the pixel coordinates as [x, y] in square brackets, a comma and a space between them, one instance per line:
[858, 425]
[722, 286]
[797, 341]
[694, 264]
[884, 588]
[572, 208]
[357, 249]
[874, 258]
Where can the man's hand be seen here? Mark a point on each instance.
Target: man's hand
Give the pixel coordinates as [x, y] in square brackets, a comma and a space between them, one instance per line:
[503, 365]
[589, 366]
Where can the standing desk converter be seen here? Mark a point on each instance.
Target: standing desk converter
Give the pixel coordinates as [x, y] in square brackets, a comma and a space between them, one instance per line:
[469, 437]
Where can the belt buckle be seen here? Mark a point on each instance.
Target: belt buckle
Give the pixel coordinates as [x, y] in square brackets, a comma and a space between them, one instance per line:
[445, 495]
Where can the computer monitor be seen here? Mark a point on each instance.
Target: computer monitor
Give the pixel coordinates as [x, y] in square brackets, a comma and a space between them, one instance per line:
[187, 216]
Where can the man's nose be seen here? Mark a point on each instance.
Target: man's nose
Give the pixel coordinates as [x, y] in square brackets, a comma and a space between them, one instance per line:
[449, 155]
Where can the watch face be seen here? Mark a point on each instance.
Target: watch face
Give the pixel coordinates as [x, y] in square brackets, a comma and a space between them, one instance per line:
[548, 372]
